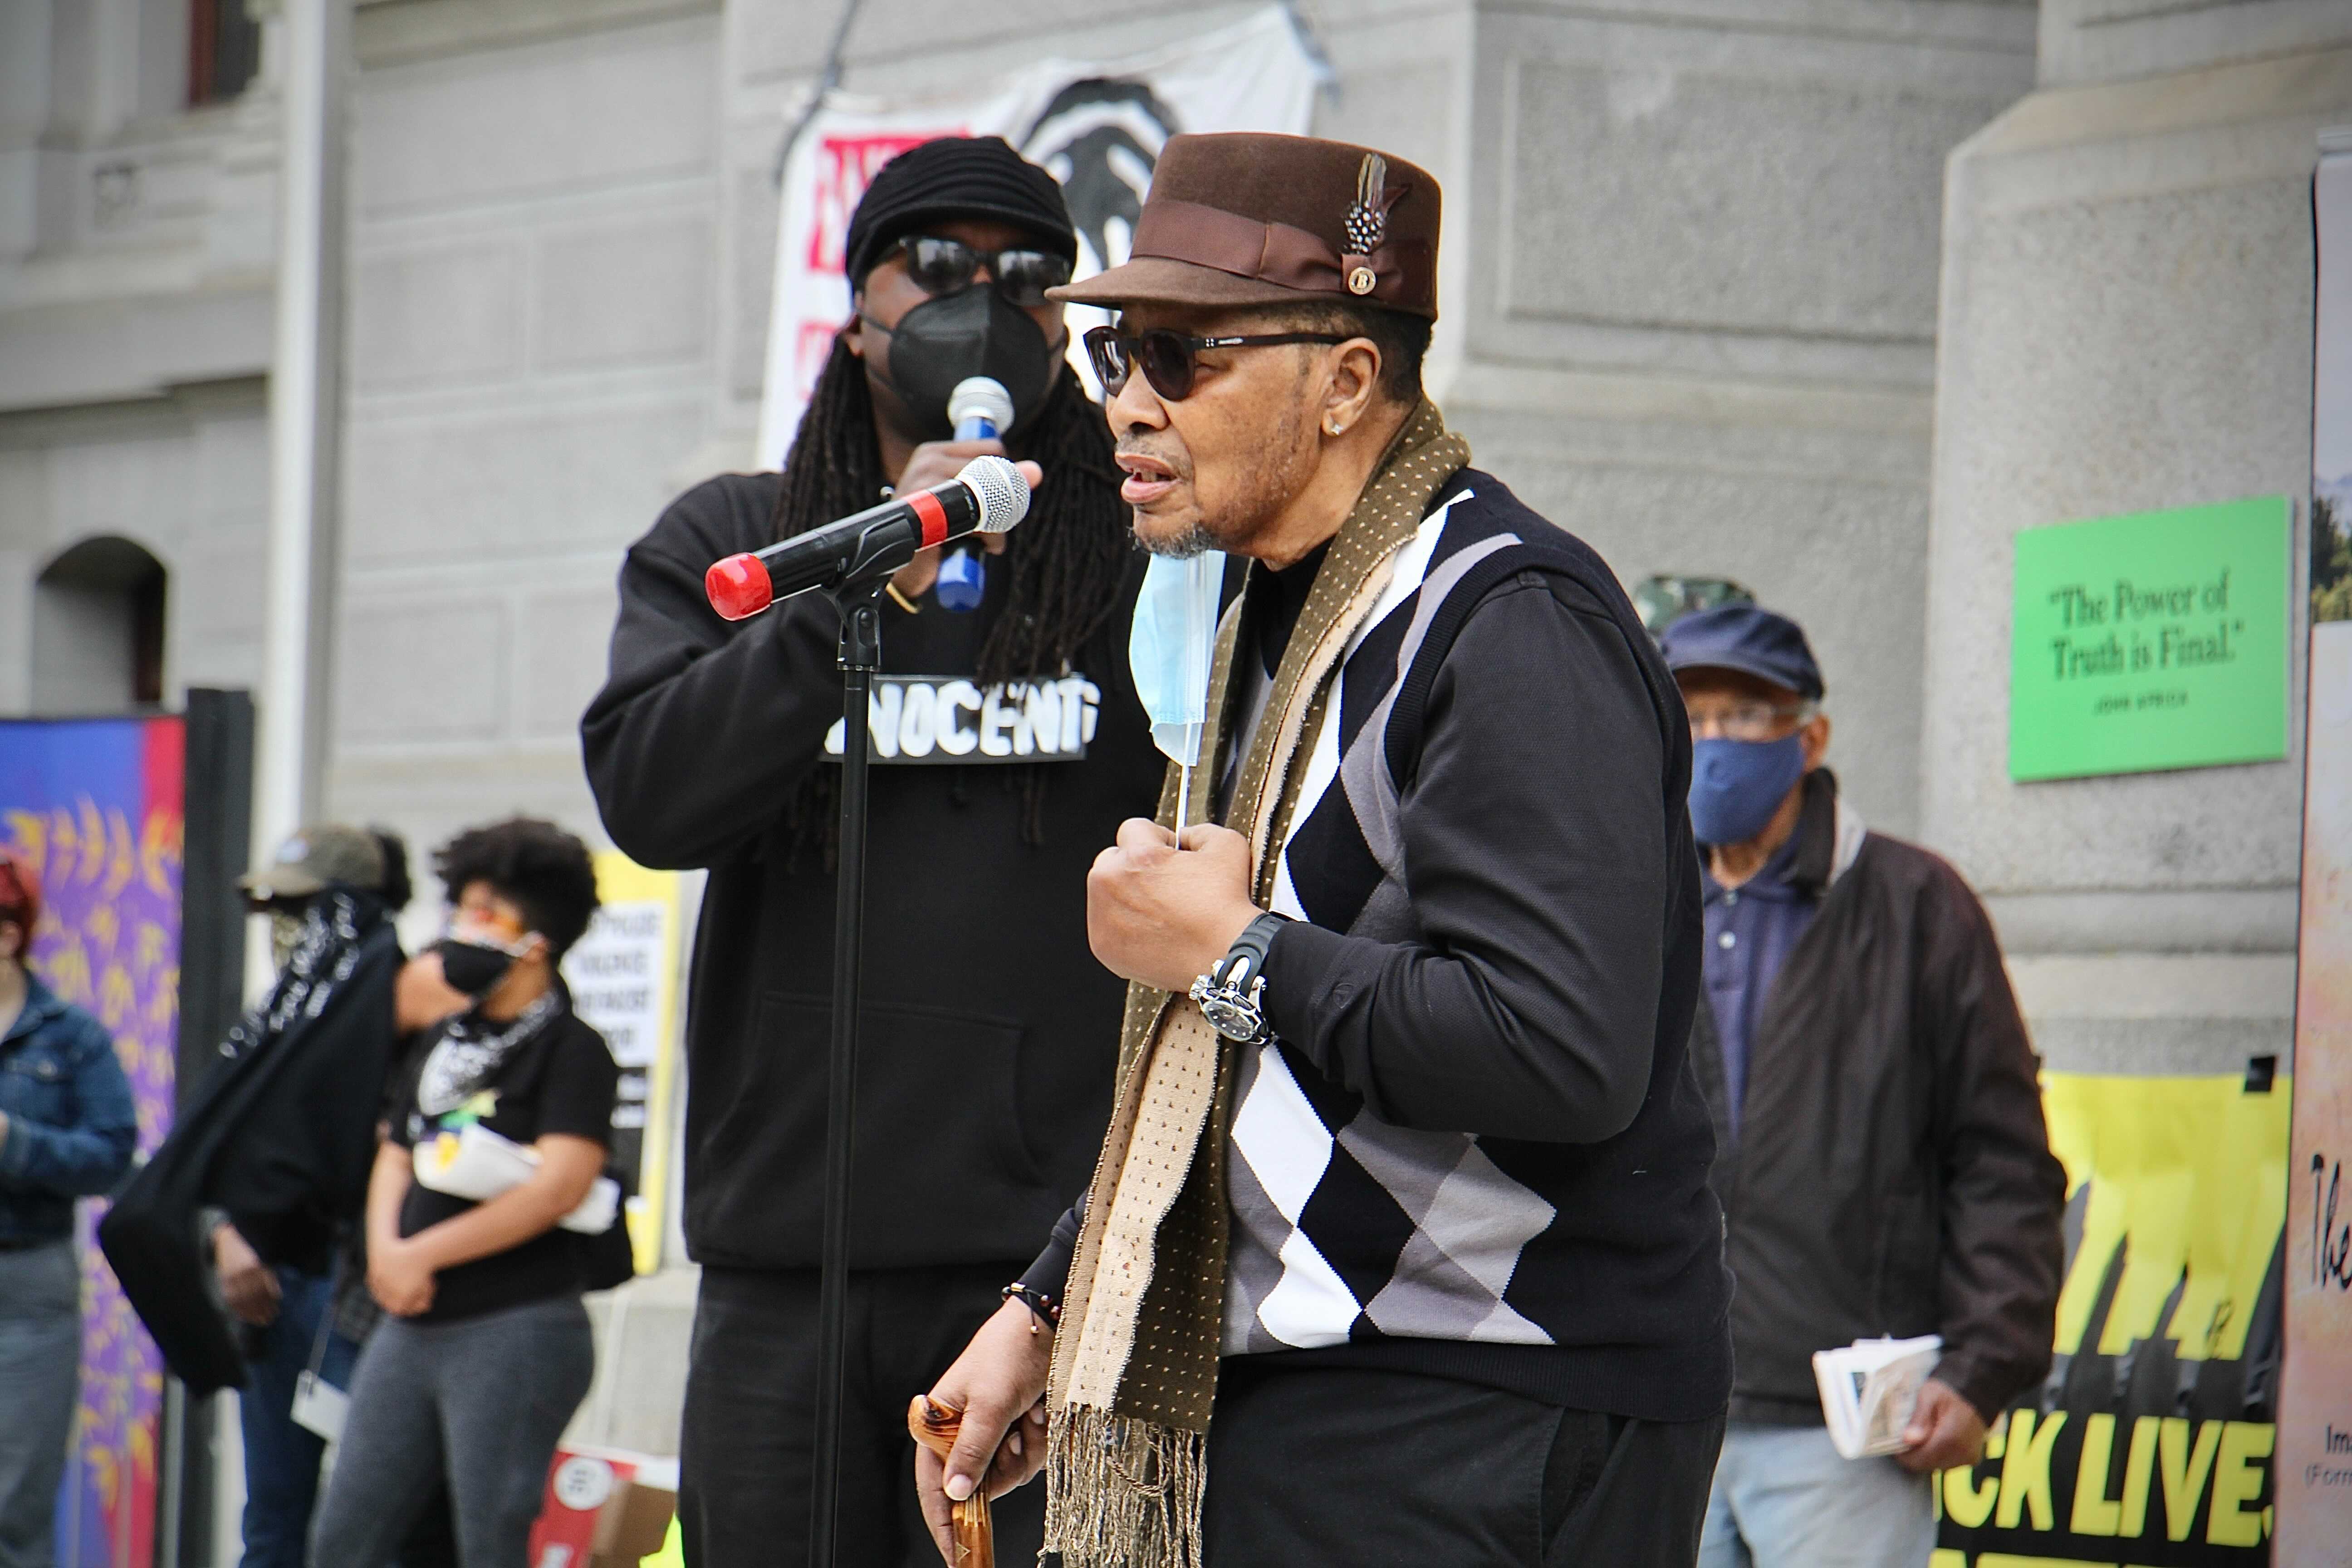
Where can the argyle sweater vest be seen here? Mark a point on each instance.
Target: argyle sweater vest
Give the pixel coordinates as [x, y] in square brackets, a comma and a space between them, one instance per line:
[1347, 1230]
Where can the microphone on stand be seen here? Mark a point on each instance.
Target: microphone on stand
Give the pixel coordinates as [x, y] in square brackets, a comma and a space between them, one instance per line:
[980, 410]
[988, 497]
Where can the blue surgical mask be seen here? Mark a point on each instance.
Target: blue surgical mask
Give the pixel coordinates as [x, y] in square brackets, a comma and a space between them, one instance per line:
[1169, 651]
[1736, 785]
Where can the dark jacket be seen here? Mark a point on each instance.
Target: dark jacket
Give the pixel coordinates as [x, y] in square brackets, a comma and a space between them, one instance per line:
[281, 1135]
[72, 1124]
[989, 1030]
[1893, 1175]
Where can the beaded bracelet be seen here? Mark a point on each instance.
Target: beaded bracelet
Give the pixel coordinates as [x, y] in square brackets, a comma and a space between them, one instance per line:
[1037, 1302]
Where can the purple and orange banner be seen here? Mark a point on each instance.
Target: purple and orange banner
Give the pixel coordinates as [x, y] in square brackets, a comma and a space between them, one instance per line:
[96, 805]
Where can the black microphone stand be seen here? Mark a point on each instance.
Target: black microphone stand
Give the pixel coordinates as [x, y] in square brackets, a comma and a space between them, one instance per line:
[859, 606]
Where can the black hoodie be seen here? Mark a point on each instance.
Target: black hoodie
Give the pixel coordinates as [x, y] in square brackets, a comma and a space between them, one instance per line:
[990, 1032]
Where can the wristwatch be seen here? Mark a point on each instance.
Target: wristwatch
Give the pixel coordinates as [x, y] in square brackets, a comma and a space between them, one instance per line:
[1230, 994]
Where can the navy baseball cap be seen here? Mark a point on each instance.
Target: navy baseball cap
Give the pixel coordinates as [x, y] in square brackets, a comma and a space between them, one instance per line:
[1748, 638]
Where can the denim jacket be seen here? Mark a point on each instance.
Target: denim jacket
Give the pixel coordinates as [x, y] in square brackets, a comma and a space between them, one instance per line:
[71, 1125]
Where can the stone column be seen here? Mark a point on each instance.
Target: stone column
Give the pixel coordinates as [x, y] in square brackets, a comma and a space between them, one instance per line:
[311, 51]
[2126, 325]
[1698, 301]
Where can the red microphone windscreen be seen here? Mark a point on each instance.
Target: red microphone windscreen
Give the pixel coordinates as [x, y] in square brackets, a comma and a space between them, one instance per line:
[738, 587]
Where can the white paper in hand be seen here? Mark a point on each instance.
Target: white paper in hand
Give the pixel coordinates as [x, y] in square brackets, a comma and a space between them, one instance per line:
[477, 1164]
[1869, 1389]
[1169, 650]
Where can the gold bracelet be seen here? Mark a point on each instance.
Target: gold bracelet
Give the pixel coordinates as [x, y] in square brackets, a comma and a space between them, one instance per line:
[904, 602]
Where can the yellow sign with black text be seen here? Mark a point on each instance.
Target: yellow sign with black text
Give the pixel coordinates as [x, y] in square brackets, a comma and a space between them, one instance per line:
[2149, 1445]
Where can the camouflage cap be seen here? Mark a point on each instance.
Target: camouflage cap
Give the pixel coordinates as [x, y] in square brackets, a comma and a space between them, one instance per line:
[314, 856]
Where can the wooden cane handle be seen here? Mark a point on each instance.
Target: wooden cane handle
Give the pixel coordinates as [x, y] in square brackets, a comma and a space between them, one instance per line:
[935, 1427]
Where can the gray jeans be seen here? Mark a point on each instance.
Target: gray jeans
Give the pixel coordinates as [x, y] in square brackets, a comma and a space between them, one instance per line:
[480, 1402]
[40, 1377]
[1783, 1499]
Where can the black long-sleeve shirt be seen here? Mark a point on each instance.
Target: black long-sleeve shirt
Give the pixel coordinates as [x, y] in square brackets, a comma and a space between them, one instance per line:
[989, 1028]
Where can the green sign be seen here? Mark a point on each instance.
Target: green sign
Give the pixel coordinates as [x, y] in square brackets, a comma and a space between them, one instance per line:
[2152, 641]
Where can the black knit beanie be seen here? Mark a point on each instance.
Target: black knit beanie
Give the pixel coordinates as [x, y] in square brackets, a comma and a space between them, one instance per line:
[955, 177]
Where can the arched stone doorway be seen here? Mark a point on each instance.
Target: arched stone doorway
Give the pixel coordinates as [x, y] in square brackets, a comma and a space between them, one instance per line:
[98, 629]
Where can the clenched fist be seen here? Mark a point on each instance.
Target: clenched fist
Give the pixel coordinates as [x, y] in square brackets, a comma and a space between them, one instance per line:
[1165, 915]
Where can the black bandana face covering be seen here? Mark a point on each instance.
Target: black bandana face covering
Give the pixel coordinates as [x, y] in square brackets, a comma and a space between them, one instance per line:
[285, 936]
[327, 936]
[950, 337]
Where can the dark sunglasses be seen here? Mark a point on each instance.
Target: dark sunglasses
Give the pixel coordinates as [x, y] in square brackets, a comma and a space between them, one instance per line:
[1168, 357]
[941, 266]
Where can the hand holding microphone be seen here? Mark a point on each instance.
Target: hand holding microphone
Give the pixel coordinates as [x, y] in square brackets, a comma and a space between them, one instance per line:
[988, 497]
[979, 408]
[981, 411]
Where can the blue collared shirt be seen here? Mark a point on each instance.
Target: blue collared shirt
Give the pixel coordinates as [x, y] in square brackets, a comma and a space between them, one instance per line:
[71, 1123]
[1750, 931]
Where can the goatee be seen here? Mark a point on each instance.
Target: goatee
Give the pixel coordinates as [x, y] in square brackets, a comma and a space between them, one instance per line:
[1181, 546]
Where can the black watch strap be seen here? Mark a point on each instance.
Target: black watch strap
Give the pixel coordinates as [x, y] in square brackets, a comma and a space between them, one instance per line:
[1245, 962]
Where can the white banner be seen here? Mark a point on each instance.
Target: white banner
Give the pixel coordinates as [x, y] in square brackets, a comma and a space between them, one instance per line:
[1098, 125]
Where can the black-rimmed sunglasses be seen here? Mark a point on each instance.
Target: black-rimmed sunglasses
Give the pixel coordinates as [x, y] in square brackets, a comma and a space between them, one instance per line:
[1167, 357]
[943, 265]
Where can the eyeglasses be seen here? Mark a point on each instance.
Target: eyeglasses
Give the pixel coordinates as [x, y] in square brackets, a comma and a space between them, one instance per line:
[943, 265]
[1167, 357]
[1748, 720]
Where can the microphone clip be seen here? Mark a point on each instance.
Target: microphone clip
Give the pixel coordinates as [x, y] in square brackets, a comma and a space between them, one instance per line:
[859, 606]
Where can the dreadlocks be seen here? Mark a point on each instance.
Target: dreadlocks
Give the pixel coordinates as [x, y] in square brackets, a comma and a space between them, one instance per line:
[1064, 561]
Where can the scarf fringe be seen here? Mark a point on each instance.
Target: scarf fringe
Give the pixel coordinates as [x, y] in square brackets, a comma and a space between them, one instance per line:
[1123, 1493]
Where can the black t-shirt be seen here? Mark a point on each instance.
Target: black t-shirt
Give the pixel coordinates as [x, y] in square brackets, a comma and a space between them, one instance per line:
[1276, 599]
[561, 1080]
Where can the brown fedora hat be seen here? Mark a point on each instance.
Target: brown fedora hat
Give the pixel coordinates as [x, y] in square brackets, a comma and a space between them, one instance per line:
[1247, 219]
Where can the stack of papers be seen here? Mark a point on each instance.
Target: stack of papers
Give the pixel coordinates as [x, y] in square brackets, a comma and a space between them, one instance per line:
[476, 1163]
[1868, 1390]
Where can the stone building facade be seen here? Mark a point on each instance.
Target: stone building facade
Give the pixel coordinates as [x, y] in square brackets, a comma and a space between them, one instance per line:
[2126, 325]
[1690, 310]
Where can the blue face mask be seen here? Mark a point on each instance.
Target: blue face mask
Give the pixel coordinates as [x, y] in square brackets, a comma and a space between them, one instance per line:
[1736, 785]
[1169, 650]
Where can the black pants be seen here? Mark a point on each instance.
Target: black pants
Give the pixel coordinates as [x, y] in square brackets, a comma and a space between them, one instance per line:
[747, 1454]
[1345, 1468]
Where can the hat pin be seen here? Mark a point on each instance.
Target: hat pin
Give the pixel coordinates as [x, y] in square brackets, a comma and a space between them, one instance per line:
[1368, 223]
